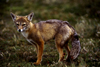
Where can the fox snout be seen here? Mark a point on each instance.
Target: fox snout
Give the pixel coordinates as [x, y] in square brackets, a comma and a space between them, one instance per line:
[20, 30]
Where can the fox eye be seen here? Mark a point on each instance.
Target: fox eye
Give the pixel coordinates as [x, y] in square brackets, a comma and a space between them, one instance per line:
[23, 24]
[17, 24]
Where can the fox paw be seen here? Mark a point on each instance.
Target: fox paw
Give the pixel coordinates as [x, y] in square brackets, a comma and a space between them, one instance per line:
[35, 63]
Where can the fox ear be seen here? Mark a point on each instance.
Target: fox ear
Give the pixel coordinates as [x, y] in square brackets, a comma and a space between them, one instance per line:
[13, 16]
[30, 16]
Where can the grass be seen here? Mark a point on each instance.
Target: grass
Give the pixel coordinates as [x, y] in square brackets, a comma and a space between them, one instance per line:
[15, 51]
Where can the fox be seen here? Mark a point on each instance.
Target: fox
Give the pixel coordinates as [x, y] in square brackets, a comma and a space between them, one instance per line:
[38, 33]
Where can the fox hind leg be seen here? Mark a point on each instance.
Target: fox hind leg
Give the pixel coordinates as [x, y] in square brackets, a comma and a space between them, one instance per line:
[68, 51]
[61, 54]
[60, 49]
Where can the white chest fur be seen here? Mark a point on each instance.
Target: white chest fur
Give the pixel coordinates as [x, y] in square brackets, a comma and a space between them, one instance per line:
[25, 34]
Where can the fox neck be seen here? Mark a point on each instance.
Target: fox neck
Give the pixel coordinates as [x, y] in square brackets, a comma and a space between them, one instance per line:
[30, 27]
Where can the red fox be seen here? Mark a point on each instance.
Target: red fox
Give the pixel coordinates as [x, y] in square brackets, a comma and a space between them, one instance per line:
[43, 31]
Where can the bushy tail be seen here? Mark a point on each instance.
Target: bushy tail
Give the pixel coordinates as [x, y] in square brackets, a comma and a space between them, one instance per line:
[75, 47]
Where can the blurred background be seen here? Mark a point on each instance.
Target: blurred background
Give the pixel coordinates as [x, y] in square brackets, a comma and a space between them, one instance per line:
[83, 15]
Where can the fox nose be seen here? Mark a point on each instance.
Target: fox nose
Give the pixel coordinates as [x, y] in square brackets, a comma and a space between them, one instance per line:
[19, 30]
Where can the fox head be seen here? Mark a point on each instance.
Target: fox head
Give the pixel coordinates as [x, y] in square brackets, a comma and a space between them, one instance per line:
[22, 22]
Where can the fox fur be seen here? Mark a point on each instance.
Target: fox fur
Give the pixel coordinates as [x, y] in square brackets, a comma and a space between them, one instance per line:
[39, 33]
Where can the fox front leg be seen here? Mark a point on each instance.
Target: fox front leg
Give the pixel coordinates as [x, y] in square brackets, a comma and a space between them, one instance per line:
[39, 53]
